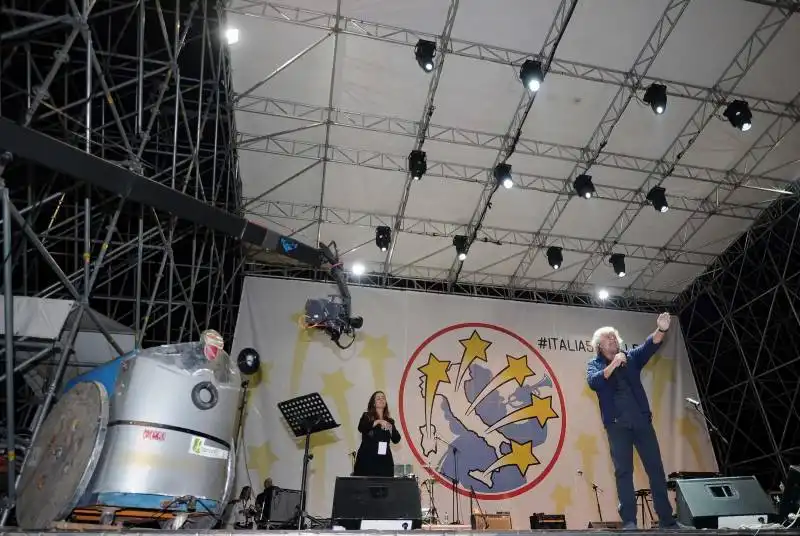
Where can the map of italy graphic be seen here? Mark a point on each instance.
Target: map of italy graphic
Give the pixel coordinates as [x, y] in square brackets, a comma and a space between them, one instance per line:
[490, 439]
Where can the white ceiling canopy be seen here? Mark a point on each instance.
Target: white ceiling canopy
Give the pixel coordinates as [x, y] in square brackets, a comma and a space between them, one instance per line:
[332, 102]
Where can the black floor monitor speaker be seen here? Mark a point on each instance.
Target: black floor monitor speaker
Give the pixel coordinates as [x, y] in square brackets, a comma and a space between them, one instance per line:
[357, 498]
[710, 503]
[283, 506]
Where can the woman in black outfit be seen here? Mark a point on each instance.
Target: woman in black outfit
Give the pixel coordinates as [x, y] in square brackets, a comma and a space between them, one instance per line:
[377, 429]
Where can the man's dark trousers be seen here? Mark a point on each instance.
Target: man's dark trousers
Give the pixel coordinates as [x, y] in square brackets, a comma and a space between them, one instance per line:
[622, 438]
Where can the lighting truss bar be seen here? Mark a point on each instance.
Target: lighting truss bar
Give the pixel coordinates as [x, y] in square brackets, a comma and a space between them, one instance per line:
[276, 210]
[474, 174]
[424, 122]
[564, 14]
[766, 143]
[472, 138]
[750, 51]
[602, 133]
[420, 281]
[59, 156]
[403, 36]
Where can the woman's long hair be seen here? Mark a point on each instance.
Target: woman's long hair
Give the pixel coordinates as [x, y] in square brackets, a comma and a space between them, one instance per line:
[372, 411]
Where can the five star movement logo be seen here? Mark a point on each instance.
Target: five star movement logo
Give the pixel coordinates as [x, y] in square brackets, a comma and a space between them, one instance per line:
[480, 407]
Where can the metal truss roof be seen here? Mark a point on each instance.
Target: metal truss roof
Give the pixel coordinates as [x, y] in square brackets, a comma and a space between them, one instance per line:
[330, 101]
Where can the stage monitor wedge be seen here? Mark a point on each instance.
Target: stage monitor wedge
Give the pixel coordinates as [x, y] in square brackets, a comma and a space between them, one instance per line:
[726, 502]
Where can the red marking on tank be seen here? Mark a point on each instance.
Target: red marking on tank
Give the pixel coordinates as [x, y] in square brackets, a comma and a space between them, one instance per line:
[154, 435]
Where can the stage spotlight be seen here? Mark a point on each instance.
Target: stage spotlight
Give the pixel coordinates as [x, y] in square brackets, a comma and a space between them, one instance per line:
[618, 263]
[502, 174]
[359, 269]
[425, 52]
[232, 35]
[383, 237]
[554, 257]
[656, 97]
[248, 363]
[658, 197]
[461, 245]
[531, 74]
[417, 164]
[738, 113]
[583, 185]
[602, 294]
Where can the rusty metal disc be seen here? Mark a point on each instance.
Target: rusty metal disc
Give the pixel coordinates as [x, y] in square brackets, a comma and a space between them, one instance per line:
[60, 463]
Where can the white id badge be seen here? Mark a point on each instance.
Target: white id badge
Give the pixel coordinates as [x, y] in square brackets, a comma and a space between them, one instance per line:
[383, 446]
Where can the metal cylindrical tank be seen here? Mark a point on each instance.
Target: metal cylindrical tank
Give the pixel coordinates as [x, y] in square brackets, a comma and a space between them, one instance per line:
[171, 421]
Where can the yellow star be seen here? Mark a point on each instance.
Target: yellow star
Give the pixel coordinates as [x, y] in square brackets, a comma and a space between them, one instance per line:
[522, 456]
[435, 371]
[690, 432]
[335, 387]
[376, 350]
[518, 369]
[474, 348]
[261, 459]
[663, 374]
[586, 444]
[562, 498]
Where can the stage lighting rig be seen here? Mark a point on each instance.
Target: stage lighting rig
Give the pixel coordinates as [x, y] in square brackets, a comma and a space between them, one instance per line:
[583, 186]
[617, 261]
[461, 243]
[332, 314]
[531, 74]
[658, 197]
[555, 258]
[425, 52]
[417, 164]
[656, 97]
[739, 115]
[502, 174]
[383, 237]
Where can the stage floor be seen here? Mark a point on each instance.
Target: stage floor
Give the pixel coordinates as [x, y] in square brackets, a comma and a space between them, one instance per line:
[10, 531]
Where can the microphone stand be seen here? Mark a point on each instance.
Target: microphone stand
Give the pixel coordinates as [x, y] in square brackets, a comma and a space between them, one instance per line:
[454, 480]
[714, 429]
[471, 511]
[597, 492]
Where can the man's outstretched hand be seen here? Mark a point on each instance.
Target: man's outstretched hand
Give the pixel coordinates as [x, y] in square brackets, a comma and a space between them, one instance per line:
[663, 321]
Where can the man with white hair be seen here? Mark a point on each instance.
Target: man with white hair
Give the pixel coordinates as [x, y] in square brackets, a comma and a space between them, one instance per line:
[615, 376]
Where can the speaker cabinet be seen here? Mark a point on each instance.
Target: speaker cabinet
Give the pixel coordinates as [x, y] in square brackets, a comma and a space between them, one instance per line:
[490, 521]
[357, 499]
[711, 503]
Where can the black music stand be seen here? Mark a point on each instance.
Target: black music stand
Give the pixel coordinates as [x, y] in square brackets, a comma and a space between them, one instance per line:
[306, 415]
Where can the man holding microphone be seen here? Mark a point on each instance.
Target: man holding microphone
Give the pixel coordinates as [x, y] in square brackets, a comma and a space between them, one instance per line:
[616, 378]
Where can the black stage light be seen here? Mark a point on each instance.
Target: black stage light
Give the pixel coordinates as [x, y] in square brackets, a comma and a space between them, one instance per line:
[658, 197]
[531, 74]
[248, 361]
[554, 257]
[383, 237]
[502, 174]
[656, 97]
[425, 52]
[417, 164]
[618, 263]
[461, 245]
[738, 113]
[584, 186]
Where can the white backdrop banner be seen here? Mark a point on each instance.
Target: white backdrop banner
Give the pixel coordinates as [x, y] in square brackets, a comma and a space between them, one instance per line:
[492, 393]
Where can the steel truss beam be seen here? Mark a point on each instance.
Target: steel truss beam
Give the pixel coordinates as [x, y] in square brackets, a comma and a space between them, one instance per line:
[145, 89]
[478, 51]
[283, 210]
[666, 23]
[314, 115]
[739, 321]
[427, 280]
[766, 143]
[758, 41]
[424, 122]
[460, 172]
[564, 14]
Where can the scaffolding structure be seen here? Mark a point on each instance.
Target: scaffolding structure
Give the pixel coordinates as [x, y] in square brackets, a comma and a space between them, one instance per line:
[740, 322]
[144, 85]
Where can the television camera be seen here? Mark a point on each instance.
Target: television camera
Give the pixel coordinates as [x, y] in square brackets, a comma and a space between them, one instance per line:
[332, 314]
